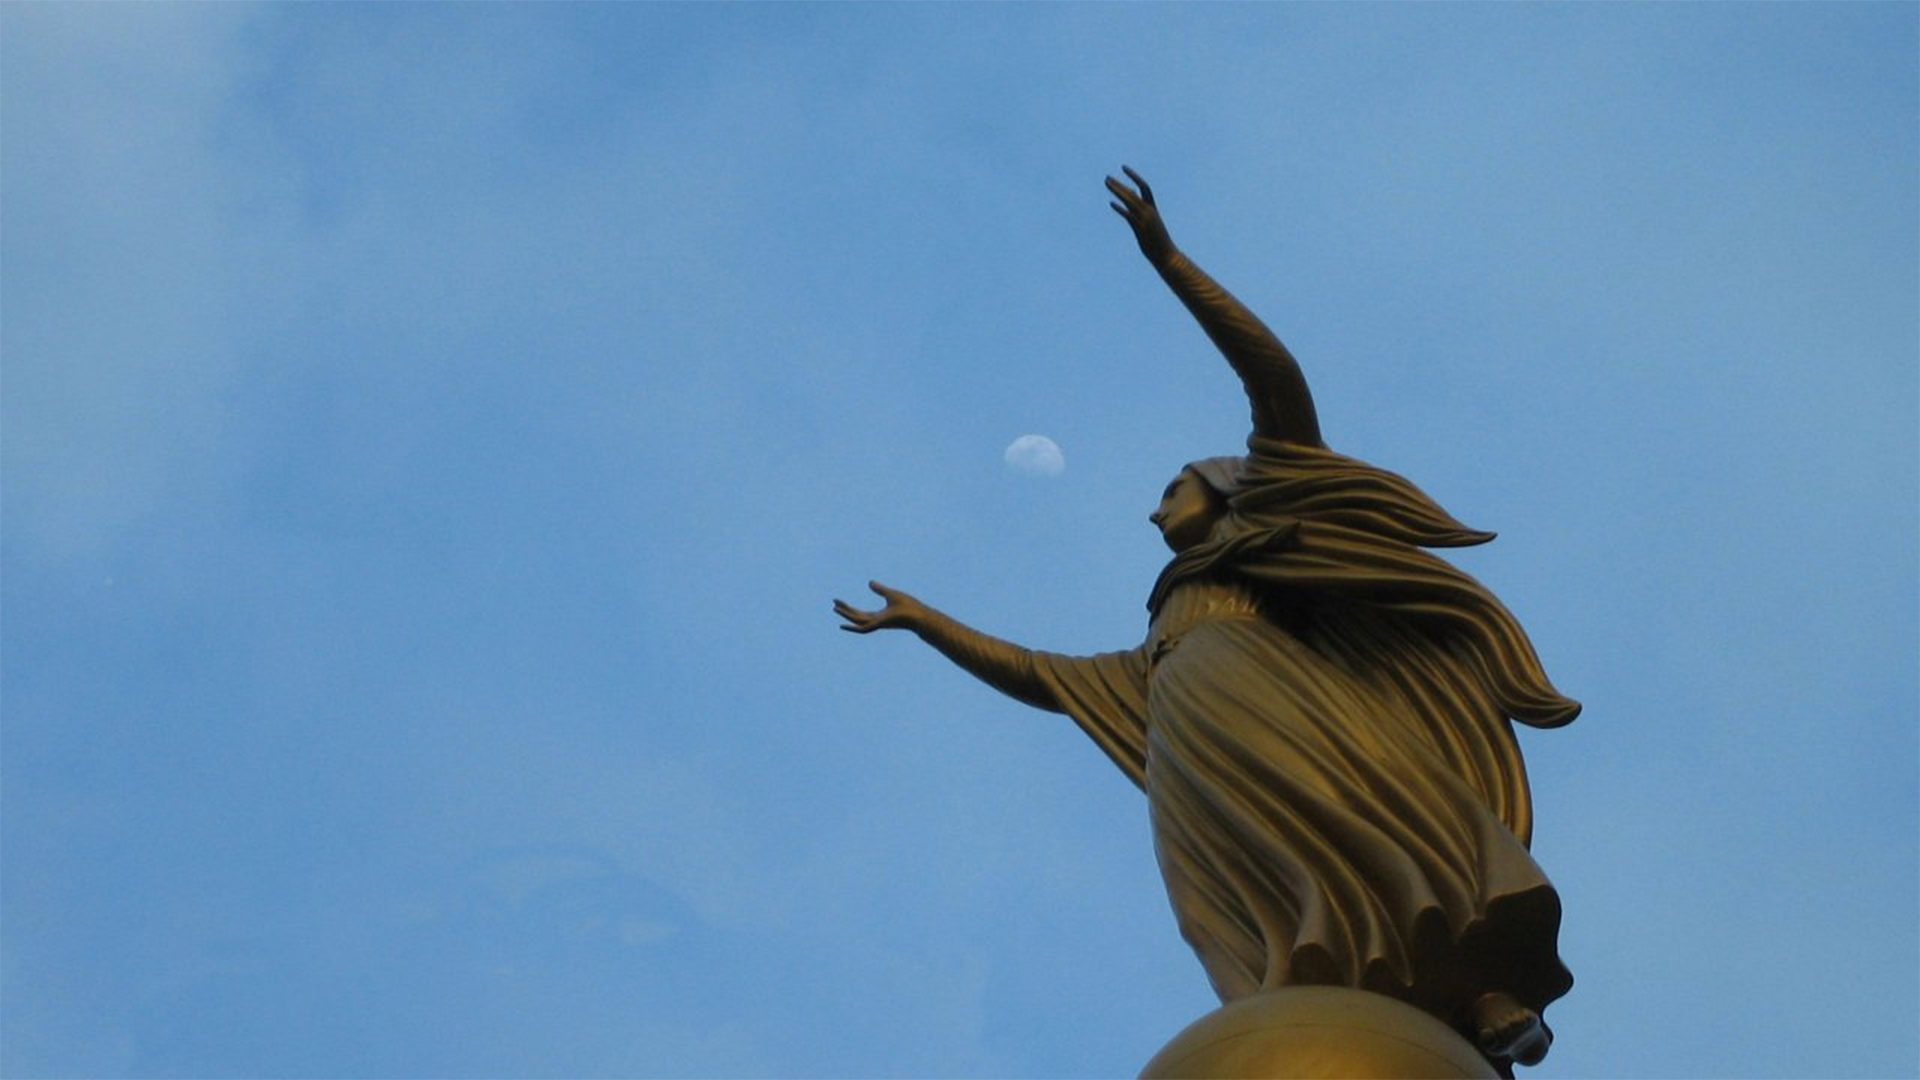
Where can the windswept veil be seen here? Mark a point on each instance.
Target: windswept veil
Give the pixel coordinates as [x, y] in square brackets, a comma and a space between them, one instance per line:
[1321, 718]
[1344, 539]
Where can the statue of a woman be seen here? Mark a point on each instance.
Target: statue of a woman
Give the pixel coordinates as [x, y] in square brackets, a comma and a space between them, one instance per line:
[1320, 715]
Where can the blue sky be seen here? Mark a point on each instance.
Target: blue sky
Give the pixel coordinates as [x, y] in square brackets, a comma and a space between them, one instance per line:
[432, 436]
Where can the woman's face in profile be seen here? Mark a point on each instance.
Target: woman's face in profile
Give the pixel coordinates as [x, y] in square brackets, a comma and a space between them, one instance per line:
[1186, 512]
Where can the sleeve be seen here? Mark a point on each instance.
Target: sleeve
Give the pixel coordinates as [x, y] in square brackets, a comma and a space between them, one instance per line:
[1276, 389]
[1106, 694]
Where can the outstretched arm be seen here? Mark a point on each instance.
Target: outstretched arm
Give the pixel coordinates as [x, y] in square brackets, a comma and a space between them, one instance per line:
[1002, 665]
[1282, 405]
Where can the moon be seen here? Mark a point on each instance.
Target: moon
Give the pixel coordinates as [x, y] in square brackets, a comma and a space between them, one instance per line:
[1035, 455]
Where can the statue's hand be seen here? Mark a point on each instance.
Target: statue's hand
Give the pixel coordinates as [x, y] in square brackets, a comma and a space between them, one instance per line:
[902, 611]
[1141, 213]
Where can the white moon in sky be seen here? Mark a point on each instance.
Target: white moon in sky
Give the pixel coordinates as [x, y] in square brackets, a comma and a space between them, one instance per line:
[1035, 455]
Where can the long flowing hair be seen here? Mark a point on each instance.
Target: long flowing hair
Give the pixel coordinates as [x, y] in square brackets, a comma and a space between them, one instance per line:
[1344, 542]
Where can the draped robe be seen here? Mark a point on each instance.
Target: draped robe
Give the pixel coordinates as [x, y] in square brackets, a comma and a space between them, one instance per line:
[1320, 719]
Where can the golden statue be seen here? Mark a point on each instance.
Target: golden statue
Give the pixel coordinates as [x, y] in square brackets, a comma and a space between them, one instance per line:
[1320, 716]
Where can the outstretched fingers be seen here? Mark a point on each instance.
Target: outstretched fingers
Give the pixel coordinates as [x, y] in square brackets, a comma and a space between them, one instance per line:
[1133, 200]
[865, 622]
[857, 621]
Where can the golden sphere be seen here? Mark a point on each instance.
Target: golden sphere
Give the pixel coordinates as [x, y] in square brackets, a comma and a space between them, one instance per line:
[1318, 1033]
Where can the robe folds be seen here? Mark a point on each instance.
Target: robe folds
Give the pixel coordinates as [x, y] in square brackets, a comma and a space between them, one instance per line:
[1321, 720]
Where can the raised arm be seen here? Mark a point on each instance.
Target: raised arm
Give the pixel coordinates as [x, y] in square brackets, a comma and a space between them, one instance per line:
[1282, 405]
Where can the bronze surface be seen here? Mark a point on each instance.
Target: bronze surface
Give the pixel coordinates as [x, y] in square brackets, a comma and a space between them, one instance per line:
[1320, 715]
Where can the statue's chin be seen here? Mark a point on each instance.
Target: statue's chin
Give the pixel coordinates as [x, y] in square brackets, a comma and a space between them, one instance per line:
[1180, 540]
